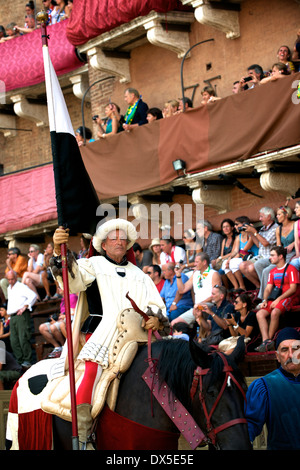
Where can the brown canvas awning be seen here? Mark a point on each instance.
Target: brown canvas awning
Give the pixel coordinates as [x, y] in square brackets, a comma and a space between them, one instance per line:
[234, 128]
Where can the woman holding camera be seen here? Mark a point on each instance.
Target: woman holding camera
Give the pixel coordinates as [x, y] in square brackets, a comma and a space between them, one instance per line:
[113, 124]
[243, 322]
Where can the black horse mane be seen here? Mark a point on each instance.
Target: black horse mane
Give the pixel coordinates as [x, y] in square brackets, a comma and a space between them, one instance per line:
[176, 367]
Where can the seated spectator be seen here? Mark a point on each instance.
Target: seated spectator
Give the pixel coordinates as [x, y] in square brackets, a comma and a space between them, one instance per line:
[2, 32]
[153, 114]
[279, 70]
[59, 11]
[211, 242]
[143, 258]
[284, 56]
[235, 87]
[156, 251]
[296, 53]
[69, 8]
[270, 310]
[255, 75]
[84, 247]
[16, 262]
[49, 8]
[211, 318]
[243, 247]
[208, 95]
[189, 238]
[171, 252]
[181, 331]
[10, 371]
[80, 137]
[47, 274]
[185, 104]
[201, 283]
[284, 237]
[5, 329]
[114, 121]
[170, 108]
[29, 25]
[33, 276]
[54, 331]
[154, 271]
[296, 261]
[264, 239]
[243, 322]
[229, 234]
[30, 8]
[176, 303]
[11, 32]
[136, 114]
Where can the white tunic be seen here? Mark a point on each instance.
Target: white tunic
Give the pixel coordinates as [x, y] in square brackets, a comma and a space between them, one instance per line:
[113, 288]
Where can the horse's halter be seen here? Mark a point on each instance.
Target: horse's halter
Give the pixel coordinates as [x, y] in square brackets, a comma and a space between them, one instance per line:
[198, 379]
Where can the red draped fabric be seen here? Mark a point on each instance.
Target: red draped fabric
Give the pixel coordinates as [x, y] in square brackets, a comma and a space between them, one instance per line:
[93, 17]
[114, 432]
[21, 62]
[27, 198]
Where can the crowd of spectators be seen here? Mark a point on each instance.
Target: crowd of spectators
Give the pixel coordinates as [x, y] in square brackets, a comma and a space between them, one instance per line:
[28, 282]
[240, 280]
[58, 10]
[138, 113]
[221, 285]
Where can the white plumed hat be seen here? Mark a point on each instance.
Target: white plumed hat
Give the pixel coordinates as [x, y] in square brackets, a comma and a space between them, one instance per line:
[114, 224]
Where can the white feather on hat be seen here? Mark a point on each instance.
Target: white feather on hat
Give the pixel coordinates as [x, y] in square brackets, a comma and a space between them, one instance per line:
[114, 224]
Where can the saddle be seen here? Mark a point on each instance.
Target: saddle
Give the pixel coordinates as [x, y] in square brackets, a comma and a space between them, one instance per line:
[121, 353]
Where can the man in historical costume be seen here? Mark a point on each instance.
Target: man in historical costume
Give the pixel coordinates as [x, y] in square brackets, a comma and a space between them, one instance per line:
[115, 276]
[274, 400]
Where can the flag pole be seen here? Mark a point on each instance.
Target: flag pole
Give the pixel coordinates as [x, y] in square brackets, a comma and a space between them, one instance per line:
[42, 18]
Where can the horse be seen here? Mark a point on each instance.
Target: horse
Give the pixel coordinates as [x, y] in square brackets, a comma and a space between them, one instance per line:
[207, 384]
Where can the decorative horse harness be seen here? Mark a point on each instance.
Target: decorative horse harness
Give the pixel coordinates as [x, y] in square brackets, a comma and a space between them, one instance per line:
[176, 411]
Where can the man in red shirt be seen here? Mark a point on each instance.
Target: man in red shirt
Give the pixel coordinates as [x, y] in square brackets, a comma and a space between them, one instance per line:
[154, 272]
[289, 297]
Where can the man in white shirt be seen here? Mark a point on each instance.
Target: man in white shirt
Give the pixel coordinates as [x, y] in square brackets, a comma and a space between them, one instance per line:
[19, 305]
[170, 252]
[33, 276]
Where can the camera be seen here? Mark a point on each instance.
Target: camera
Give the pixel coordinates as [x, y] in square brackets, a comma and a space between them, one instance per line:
[248, 79]
[95, 117]
[242, 228]
[178, 264]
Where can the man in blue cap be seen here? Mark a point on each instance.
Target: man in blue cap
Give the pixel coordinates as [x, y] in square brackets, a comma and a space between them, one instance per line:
[274, 400]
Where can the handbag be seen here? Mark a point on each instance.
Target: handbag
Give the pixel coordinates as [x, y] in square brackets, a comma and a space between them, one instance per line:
[277, 291]
[230, 343]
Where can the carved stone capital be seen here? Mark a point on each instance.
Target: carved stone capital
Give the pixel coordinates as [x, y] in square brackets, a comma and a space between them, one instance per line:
[37, 113]
[226, 21]
[175, 41]
[80, 84]
[112, 65]
[284, 183]
[219, 199]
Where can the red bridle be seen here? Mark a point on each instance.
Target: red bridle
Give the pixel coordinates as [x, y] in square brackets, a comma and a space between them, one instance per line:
[199, 373]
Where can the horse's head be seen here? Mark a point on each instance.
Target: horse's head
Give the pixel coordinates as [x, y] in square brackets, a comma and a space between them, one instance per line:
[218, 396]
